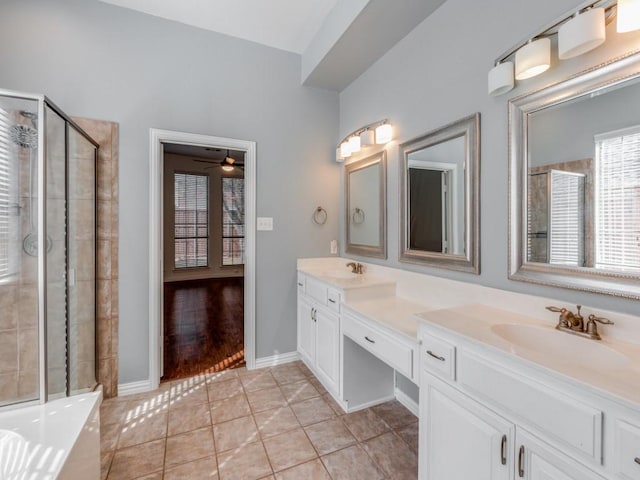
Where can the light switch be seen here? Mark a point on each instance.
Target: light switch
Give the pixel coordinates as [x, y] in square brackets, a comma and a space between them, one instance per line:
[265, 223]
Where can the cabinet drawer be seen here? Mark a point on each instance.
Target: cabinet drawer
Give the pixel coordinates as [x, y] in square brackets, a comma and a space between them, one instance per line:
[301, 283]
[391, 351]
[316, 290]
[627, 450]
[439, 357]
[572, 425]
[333, 300]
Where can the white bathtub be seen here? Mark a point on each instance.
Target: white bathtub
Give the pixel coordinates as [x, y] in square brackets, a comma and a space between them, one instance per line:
[57, 440]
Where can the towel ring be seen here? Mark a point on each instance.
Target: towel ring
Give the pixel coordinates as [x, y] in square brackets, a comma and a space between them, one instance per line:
[358, 216]
[320, 216]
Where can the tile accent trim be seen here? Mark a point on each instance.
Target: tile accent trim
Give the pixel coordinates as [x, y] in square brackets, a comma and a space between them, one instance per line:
[407, 402]
[277, 359]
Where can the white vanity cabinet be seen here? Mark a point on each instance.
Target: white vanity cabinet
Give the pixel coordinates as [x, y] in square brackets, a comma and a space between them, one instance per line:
[486, 415]
[319, 330]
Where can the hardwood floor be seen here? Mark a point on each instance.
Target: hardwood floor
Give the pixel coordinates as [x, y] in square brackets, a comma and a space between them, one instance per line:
[203, 326]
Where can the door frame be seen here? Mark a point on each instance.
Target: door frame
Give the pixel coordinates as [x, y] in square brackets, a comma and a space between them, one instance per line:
[159, 137]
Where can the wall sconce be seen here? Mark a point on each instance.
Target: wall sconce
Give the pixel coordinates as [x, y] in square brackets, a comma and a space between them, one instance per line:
[579, 31]
[375, 133]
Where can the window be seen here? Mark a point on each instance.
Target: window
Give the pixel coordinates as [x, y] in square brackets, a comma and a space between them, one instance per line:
[618, 200]
[566, 219]
[191, 234]
[6, 222]
[232, 221]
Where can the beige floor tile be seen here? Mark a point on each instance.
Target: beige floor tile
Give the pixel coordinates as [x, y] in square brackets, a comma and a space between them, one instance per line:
[203, 469]
[106, 457]
[189, 446]
[230, 408]
[224, 389]
[333, 404]
[287, 373]
[394, 414]
[266, 399]
[235, 433]
[318, 385]
[109, 436]
[351, 463]
[257, 380]
[223, 375]
[142, 429]
[112, 410]
[311, 411]
[246, 463]
[289, 449]
[364, 424]
[313, 470]
[329, 436]
[410, 435]
[276, 421]
[304, 369]
[393, 456]
[188, 393]
[151, 476]
[298, 391]
[146, 405]
[136, 461]
[188, 417]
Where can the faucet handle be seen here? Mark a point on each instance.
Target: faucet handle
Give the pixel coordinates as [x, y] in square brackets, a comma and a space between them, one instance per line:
[555, 309]
[604, 321]
[592, 328]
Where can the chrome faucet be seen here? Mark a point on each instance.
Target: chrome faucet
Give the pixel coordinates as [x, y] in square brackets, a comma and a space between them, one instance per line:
[356, 268]
[574, 322]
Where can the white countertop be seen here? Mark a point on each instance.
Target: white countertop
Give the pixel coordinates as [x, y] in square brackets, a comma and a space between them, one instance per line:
[345, 280]
[392, 312]
[611, 367]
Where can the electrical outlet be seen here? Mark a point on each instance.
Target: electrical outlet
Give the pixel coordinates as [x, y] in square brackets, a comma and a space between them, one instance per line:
[265, 223]
[334, 247]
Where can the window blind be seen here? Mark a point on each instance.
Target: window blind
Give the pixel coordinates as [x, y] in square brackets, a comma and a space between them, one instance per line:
[191, 222]
[618, 200]
[232, 221]
[566, 219]
[5, 196]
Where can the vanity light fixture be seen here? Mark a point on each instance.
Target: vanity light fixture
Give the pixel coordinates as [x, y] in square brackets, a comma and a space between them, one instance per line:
[533, 58]
[628, 16]
[582, 33]
[375, 133]
[579, 31]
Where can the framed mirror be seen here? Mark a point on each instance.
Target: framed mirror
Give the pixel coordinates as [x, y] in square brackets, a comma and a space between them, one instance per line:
[440, 202]
[366, 206]
[574, 173]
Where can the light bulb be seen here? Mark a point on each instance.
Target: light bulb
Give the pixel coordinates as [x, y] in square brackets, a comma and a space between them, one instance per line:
[384, 133]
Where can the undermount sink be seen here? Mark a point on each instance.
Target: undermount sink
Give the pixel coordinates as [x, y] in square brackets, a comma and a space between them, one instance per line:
[341, 274]
[567, 348]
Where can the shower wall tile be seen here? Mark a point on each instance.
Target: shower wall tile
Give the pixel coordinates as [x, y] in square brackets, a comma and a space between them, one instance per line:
[8, 307]
[28, 350]
[104, 220]
[105, 374]
[9, 351]
[114, 299]
[8, 386]
[28, 306]
[104, 340]
[28, 384]
[104, 179]
[104, 260]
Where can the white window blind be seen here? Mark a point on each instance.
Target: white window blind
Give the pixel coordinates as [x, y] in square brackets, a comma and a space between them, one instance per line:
[5, 197]
[566, 219]
[618, 200]
[232, 221]
[191, 220]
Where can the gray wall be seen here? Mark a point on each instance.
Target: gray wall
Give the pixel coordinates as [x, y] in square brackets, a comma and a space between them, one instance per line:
[438, 74]
[100, 61]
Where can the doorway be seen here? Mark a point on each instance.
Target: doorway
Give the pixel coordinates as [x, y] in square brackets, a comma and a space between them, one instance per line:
[202, 293]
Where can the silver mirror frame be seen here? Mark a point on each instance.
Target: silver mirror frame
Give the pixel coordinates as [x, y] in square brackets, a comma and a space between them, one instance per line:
[368, 250]
[585, 279]
[469, 128]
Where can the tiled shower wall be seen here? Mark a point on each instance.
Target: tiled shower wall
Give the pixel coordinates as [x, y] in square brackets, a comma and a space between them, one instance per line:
[106, 134]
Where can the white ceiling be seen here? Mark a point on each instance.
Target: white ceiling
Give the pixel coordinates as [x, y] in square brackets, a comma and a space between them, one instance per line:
[285, 24]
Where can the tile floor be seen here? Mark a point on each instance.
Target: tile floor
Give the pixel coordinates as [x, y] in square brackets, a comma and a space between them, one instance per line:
[273, 423]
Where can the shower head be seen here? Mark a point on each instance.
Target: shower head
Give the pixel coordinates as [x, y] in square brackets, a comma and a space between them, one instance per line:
[24, 135]
[31, 116]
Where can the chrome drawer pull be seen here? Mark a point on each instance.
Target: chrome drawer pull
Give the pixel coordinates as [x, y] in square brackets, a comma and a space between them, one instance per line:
[437, 357]
[369, 340]
[332, 300]
[299, 284]
[521, 462]
[503, 450]
[637, 460]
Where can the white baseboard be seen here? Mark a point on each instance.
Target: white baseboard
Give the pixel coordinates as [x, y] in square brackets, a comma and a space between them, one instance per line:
[134, 387]
[277, 359]
[408, 402]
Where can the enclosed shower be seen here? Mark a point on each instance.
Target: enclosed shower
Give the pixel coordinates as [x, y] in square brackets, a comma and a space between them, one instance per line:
[47, 252]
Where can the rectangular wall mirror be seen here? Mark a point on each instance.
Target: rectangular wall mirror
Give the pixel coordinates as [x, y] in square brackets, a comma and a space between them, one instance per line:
[575, 182]
[440, 203]
[366, 211]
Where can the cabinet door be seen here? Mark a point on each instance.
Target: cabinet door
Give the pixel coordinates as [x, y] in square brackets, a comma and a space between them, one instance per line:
[306, 330]
[536, 460]
[327, 348]
[459, 438]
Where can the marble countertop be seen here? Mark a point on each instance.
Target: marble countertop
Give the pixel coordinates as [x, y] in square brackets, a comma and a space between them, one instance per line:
[610, 367]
